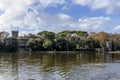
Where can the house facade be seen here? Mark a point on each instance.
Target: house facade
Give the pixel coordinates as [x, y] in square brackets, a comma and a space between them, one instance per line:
[109, 46]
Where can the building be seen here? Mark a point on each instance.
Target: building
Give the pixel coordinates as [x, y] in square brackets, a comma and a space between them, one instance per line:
[15, 34]
[23, 42]
[109, 46]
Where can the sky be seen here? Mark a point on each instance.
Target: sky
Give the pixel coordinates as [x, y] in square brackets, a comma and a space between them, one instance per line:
[33, 16]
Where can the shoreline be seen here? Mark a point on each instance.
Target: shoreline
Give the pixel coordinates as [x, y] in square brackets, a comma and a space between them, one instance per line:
[118, 52]
[69, 51]
[59, 51]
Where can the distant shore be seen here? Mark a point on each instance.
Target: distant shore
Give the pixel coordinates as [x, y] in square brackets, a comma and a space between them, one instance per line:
[60, 52]
[113, 52]
[71, 52]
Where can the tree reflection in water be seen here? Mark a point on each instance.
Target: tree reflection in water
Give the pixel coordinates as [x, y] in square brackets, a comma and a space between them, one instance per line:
[56, 66]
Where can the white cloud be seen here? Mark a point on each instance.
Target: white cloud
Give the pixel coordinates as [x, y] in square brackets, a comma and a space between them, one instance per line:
[46, 3]
[57, 22]
[91, 24]
[26, 15]
[109, 5]
[23, 13]
[97, 4]
[117, 27]
[64, 8]
[14, 12]
[61, 22]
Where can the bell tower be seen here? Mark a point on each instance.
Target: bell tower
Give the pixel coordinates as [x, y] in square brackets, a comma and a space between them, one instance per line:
[15, 34]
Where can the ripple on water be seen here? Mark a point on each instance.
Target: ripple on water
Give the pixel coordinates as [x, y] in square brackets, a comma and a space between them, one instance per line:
[54, 73]
[35, 69]
[111, 72]
[84, 72]
[108, 71]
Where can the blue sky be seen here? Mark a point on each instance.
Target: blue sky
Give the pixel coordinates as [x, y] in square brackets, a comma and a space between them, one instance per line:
[32, 16]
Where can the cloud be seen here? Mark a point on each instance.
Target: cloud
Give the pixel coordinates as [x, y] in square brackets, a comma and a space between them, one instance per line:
[117, 27]
[62, 22]
[46, 3]
[56, 22]
[91, 24]
[15, 10]
[110, 6]
[29, 17]
[24, 14]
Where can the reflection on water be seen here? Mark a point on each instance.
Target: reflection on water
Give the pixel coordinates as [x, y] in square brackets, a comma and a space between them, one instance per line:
[59, 66]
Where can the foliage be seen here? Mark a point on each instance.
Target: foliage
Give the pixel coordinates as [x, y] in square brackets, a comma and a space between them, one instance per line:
[35, 44]
[102, 37]
[63, 41]
[30, 35]
[4, 35]
[47, 34]
[1, 46]
[47, 44]
[11, 45]
[64, 33]
[61, 44]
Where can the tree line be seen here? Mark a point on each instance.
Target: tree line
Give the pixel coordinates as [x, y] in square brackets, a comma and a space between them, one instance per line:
[64, 41]
[9, 45]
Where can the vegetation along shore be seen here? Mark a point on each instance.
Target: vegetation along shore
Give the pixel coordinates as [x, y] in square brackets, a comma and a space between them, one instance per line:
[62, 41]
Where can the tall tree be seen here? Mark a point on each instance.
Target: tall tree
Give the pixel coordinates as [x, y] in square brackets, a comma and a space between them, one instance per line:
[4, 35]
[61, 44]
[11, 44]
[30, 35]
[48, 44]
[47, 34]
[102, 37]
[35, 44]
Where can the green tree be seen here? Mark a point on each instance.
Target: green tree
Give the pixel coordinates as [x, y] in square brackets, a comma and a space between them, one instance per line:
[35, 44]
[115, 38]
[48, 44]
[102, 37]
[30, 35]
[11, 44]
[62, 34]
[1, 46]
[61, 44]
[47, 34]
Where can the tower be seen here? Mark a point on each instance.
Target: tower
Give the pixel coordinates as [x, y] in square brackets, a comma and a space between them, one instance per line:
[15, 34]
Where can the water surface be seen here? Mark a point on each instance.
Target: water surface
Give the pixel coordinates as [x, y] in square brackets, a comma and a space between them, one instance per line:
[59, 66]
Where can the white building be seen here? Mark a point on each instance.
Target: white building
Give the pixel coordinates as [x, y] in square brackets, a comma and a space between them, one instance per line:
[109, 45]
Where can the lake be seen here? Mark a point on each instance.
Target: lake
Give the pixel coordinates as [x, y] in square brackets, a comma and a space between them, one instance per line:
[59, 66]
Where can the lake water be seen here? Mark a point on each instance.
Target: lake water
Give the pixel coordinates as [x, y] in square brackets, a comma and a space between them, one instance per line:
[59, 66]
